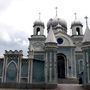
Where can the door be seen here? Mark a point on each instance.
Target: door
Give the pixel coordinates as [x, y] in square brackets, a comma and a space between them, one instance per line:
[61, 66]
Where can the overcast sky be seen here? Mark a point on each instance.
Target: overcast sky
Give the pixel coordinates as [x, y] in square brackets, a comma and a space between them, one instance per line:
[17, 17]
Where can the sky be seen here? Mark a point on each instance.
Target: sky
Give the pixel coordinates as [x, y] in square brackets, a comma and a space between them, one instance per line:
[17, 18]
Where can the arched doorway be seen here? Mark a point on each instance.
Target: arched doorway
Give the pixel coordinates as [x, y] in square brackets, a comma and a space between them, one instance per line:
[61, 65]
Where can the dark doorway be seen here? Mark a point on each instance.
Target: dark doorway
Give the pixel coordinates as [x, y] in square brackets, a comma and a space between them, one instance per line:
[61, 66]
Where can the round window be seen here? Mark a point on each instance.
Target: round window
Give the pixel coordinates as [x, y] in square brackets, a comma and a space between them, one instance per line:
[60, 40]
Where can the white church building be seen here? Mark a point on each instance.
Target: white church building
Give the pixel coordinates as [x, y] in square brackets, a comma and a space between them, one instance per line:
[52, 58]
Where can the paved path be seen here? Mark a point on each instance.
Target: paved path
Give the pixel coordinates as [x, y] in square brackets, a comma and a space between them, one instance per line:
[60, 87]
[70, 87]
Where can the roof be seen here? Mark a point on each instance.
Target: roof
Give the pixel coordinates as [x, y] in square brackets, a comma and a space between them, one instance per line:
[38, 23]
[76, 22]
[15, 52]
[86, 35]
[54, 22]
[51, 37]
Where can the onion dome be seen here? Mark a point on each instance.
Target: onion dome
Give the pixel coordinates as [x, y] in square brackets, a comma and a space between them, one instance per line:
[55, 22]
[38, 23]
[76, 23]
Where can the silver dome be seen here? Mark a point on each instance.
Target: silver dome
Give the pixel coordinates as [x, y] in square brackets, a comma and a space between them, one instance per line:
[38, 23]
[76, 22]
[55, 22]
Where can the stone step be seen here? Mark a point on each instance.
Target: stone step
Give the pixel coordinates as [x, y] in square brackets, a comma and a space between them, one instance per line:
[70, 87]
[68, 81]
[28, 86]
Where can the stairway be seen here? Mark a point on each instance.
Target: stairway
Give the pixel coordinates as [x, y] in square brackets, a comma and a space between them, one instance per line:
[68, 81]
[70, 87]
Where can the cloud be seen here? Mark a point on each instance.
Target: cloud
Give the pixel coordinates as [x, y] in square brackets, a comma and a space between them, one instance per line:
[4, 4]
[20, 14]
[11, 39]
[4, 36]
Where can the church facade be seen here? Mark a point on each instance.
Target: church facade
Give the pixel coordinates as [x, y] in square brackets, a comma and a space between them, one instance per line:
[50, 58]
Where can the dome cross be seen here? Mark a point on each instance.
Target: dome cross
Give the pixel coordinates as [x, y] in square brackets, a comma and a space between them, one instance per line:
[75, 15]
[56, 8]
[39, 15]
[86, 20]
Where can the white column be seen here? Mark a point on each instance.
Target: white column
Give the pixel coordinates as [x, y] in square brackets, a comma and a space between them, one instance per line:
[41, 30]
[55, 68]
[34, 31]
[20, 71]
[87, 66]
[31, 57]
[72, 64]
[18, 68]
[31, 70]
[28, 70]
[4, 70]
[65, 66]
[50, 66]
[46, 68]
[68, 67]
[6, 58]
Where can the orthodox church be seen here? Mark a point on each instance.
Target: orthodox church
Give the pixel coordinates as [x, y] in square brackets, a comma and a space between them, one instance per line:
[52, 58]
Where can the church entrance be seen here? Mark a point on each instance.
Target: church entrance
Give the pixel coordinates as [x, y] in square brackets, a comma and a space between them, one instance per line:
[61, 65]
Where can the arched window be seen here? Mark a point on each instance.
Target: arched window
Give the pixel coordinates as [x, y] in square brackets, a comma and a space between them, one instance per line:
[38, 31]
[11, 74]
[78, 30]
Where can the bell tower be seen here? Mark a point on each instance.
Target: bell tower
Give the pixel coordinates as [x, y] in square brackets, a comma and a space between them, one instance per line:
[77, 33]
[36, 52]
[38, 27]
[76, 27]
[38, 38]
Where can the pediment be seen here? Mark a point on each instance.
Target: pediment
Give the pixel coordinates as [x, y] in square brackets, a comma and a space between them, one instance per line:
[67, 41]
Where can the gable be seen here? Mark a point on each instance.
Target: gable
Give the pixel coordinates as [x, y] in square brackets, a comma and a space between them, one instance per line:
[66, 39]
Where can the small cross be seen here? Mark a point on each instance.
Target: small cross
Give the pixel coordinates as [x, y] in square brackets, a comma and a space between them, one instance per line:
[86, 20]
[39, 15]
[56, 10]
[75, 15]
